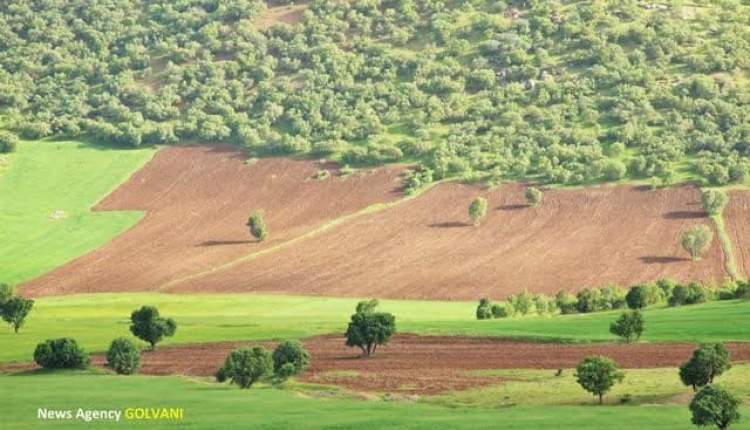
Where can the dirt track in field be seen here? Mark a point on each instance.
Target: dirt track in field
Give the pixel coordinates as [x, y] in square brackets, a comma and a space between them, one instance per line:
[419, 364]
[197, 200]
[425, 248]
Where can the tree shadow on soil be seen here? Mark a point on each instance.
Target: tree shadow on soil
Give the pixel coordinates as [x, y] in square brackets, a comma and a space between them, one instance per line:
[450, 224]
[685, 215]
[652, 259]
[224, 242]
[512, 207]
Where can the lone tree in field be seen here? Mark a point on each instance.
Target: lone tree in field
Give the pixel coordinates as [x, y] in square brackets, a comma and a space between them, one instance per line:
[714, 201]
[246, 366]
[597, 375]
[696, 240]
[257, 225]
[15, 310]
[123, 356]
[148, 326]
[708, 362]
[368, 329]
[478, 210]
[533, 196]
[715, 406]
[629, 326]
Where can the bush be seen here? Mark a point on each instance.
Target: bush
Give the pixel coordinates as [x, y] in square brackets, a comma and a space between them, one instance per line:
[588, 300]
[714, 201]
[478, 210]
[742, 291]
[521, 303]
[8, 142]
[566, 302]
[708, 362]
[696, 240]
[289, 358]
[63, 353]
[533, 196]
[629, 326]
[246, 366]
[484, 311]
[499, 311]
[257, 225]
[123, 356]
[715, 406]
[642, 295]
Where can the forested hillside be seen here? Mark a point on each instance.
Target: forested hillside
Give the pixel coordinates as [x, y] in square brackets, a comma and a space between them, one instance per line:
[565, 92]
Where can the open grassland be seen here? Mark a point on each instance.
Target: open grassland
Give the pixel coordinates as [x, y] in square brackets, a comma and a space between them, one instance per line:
[47, 190]
[94, 320]
[213, 406]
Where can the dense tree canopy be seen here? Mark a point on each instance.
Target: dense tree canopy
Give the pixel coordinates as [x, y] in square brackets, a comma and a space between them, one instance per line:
[559, 91]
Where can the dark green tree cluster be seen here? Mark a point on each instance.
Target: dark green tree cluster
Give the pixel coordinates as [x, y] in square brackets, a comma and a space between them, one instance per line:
[246, 366]
[13, 308]
[147, 325]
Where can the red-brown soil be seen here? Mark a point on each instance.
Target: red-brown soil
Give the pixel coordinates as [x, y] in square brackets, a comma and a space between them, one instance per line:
[737, 226]
[197, 200]
[420, 364]
[425, 248]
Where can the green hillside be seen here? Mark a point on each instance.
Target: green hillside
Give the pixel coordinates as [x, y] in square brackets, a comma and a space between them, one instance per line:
[565, 92]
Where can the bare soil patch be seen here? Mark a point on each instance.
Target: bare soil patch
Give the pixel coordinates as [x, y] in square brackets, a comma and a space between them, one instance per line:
[413, 364]
[426, 248]
[737, 224]
[197, 200]
[280, 14]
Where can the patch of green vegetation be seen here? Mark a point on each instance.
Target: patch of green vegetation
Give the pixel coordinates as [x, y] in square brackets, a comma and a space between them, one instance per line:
[47, 190]
[94, 320]
[529, 387]
[209, 406]
[730, 263]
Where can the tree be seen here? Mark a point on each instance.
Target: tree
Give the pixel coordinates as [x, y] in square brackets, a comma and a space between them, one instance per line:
[637, 297]
[289, 358]
[714, 201]
[708, 361]
[368, 329]
[696, 240]
[484, 310]
[257, 225]
[246, 366]
[63, 353]
[598, 374]
[15, 310]
[478, 210]
[148, 326]
[629, 326]
[533, 196]
[8, 141]
[715, 406]
[123, 356]
[6, 292]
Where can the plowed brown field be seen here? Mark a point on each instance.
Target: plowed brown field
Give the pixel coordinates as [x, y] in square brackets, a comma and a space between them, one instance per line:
[197, 200]
[420, 364]
[736, 223]
[425, 249]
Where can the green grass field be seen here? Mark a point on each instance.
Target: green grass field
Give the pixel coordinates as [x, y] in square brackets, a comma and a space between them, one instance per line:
[94, 320]
[212, 406]
[46, 192]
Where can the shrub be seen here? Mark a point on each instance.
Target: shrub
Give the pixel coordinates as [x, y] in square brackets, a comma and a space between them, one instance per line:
[597, 375]
[714, 201]
[533, 196]
[696, 240]
[742, 291]
[715, 406]
[123, 356]
[246, 366]
[521, 303]
[289, 358]
[642, 295]
[612, 297]
[478, 210]
[484, 311]
[148, 326]
[499, 311]
[257, 225]
[63, 353]
[588, 300]
[544, 304]
[628, 326]
[566, 302]
[8, 142]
